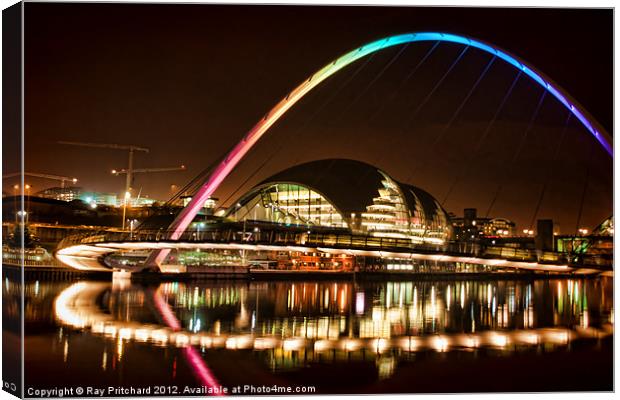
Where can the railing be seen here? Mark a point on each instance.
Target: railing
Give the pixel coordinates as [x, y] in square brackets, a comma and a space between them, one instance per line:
[251, 234]
[28, 258]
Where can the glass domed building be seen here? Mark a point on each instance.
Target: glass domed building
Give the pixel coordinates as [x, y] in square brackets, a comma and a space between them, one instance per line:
[345, 194]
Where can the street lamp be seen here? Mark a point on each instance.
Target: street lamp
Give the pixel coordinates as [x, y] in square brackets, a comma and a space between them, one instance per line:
[15, 191]
[127, 197]
[27, 187]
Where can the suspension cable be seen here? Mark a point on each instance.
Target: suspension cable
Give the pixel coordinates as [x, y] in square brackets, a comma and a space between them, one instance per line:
[585, 186]
[517, 152]
[434, 89]
[404, 81]
[430, 94]
[191, 183]
[379, 75]
[297, 131]
[367, 87]
[550, 170]
[392, 97]
[482, 138]
[460, 107]
[457, 111]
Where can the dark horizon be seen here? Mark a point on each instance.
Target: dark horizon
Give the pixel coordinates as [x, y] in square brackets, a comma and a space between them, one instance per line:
[188, 81]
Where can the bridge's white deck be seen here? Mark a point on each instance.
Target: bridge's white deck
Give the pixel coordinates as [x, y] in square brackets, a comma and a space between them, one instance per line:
[88, 256]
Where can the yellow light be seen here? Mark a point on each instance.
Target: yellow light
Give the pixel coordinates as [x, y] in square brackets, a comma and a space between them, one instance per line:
[292, 344]
[471, 342]
[160, 336]
[351, 345]
[206, 341]
[379, 345]
[440, 343]
[264, 343]
[98, 327]
[125, 333]
[142, 335]
[322, 345]
[499, 340]
[239, 342]
[110, 330]
[409, 344]
[529, 338]
[181, 339]
[127, 195]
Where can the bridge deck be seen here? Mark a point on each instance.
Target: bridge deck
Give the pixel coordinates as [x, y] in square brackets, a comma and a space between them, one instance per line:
[87, 251]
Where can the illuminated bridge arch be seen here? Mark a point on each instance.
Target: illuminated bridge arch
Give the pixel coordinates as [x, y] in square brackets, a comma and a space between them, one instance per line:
[238, 152]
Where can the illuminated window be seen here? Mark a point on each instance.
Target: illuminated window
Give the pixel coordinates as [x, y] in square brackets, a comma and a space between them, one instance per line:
[287, 203]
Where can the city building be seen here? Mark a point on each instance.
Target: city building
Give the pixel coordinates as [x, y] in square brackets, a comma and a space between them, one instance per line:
[94, 199]
[209, 207]
[143, 201]
[471, 226]
[99, 199]
[62, 194]
[597, 245]
[348, 195]
[78, 193]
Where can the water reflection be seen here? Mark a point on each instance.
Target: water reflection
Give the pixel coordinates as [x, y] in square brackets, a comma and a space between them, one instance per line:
[330, 310]
[294, 324]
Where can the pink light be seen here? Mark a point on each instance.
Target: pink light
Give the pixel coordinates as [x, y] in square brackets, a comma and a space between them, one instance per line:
[200, 369]
[166, 313]
[186, 216]
[203, 373]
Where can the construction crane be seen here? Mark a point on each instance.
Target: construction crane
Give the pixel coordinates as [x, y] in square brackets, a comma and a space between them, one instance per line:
[129, 147]
[62, 179]
[118, 172]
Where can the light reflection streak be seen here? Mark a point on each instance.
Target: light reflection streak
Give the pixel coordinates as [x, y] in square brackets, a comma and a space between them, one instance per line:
[76, 306]
[379, 345]
[199, 367]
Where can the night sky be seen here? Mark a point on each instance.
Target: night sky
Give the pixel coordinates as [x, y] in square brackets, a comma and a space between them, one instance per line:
[188, 81]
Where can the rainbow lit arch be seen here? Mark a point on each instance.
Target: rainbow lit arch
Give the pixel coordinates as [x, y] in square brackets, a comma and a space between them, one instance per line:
[186, 216]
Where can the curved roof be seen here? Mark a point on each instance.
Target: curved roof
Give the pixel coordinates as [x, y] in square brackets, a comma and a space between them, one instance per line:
[429, 203]
[605, 228]
[350, 185]
[335, 179]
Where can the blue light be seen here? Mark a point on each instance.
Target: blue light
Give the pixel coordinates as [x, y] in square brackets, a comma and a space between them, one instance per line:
[447, 37]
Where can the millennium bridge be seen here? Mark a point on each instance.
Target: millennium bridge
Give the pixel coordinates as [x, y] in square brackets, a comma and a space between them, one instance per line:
[89, 253]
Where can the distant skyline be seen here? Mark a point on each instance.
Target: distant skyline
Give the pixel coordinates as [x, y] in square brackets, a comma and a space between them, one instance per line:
[188, 81]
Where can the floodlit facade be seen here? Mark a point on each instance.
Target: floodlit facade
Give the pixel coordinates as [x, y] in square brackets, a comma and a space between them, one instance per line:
[345, 194]
[61, 193]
